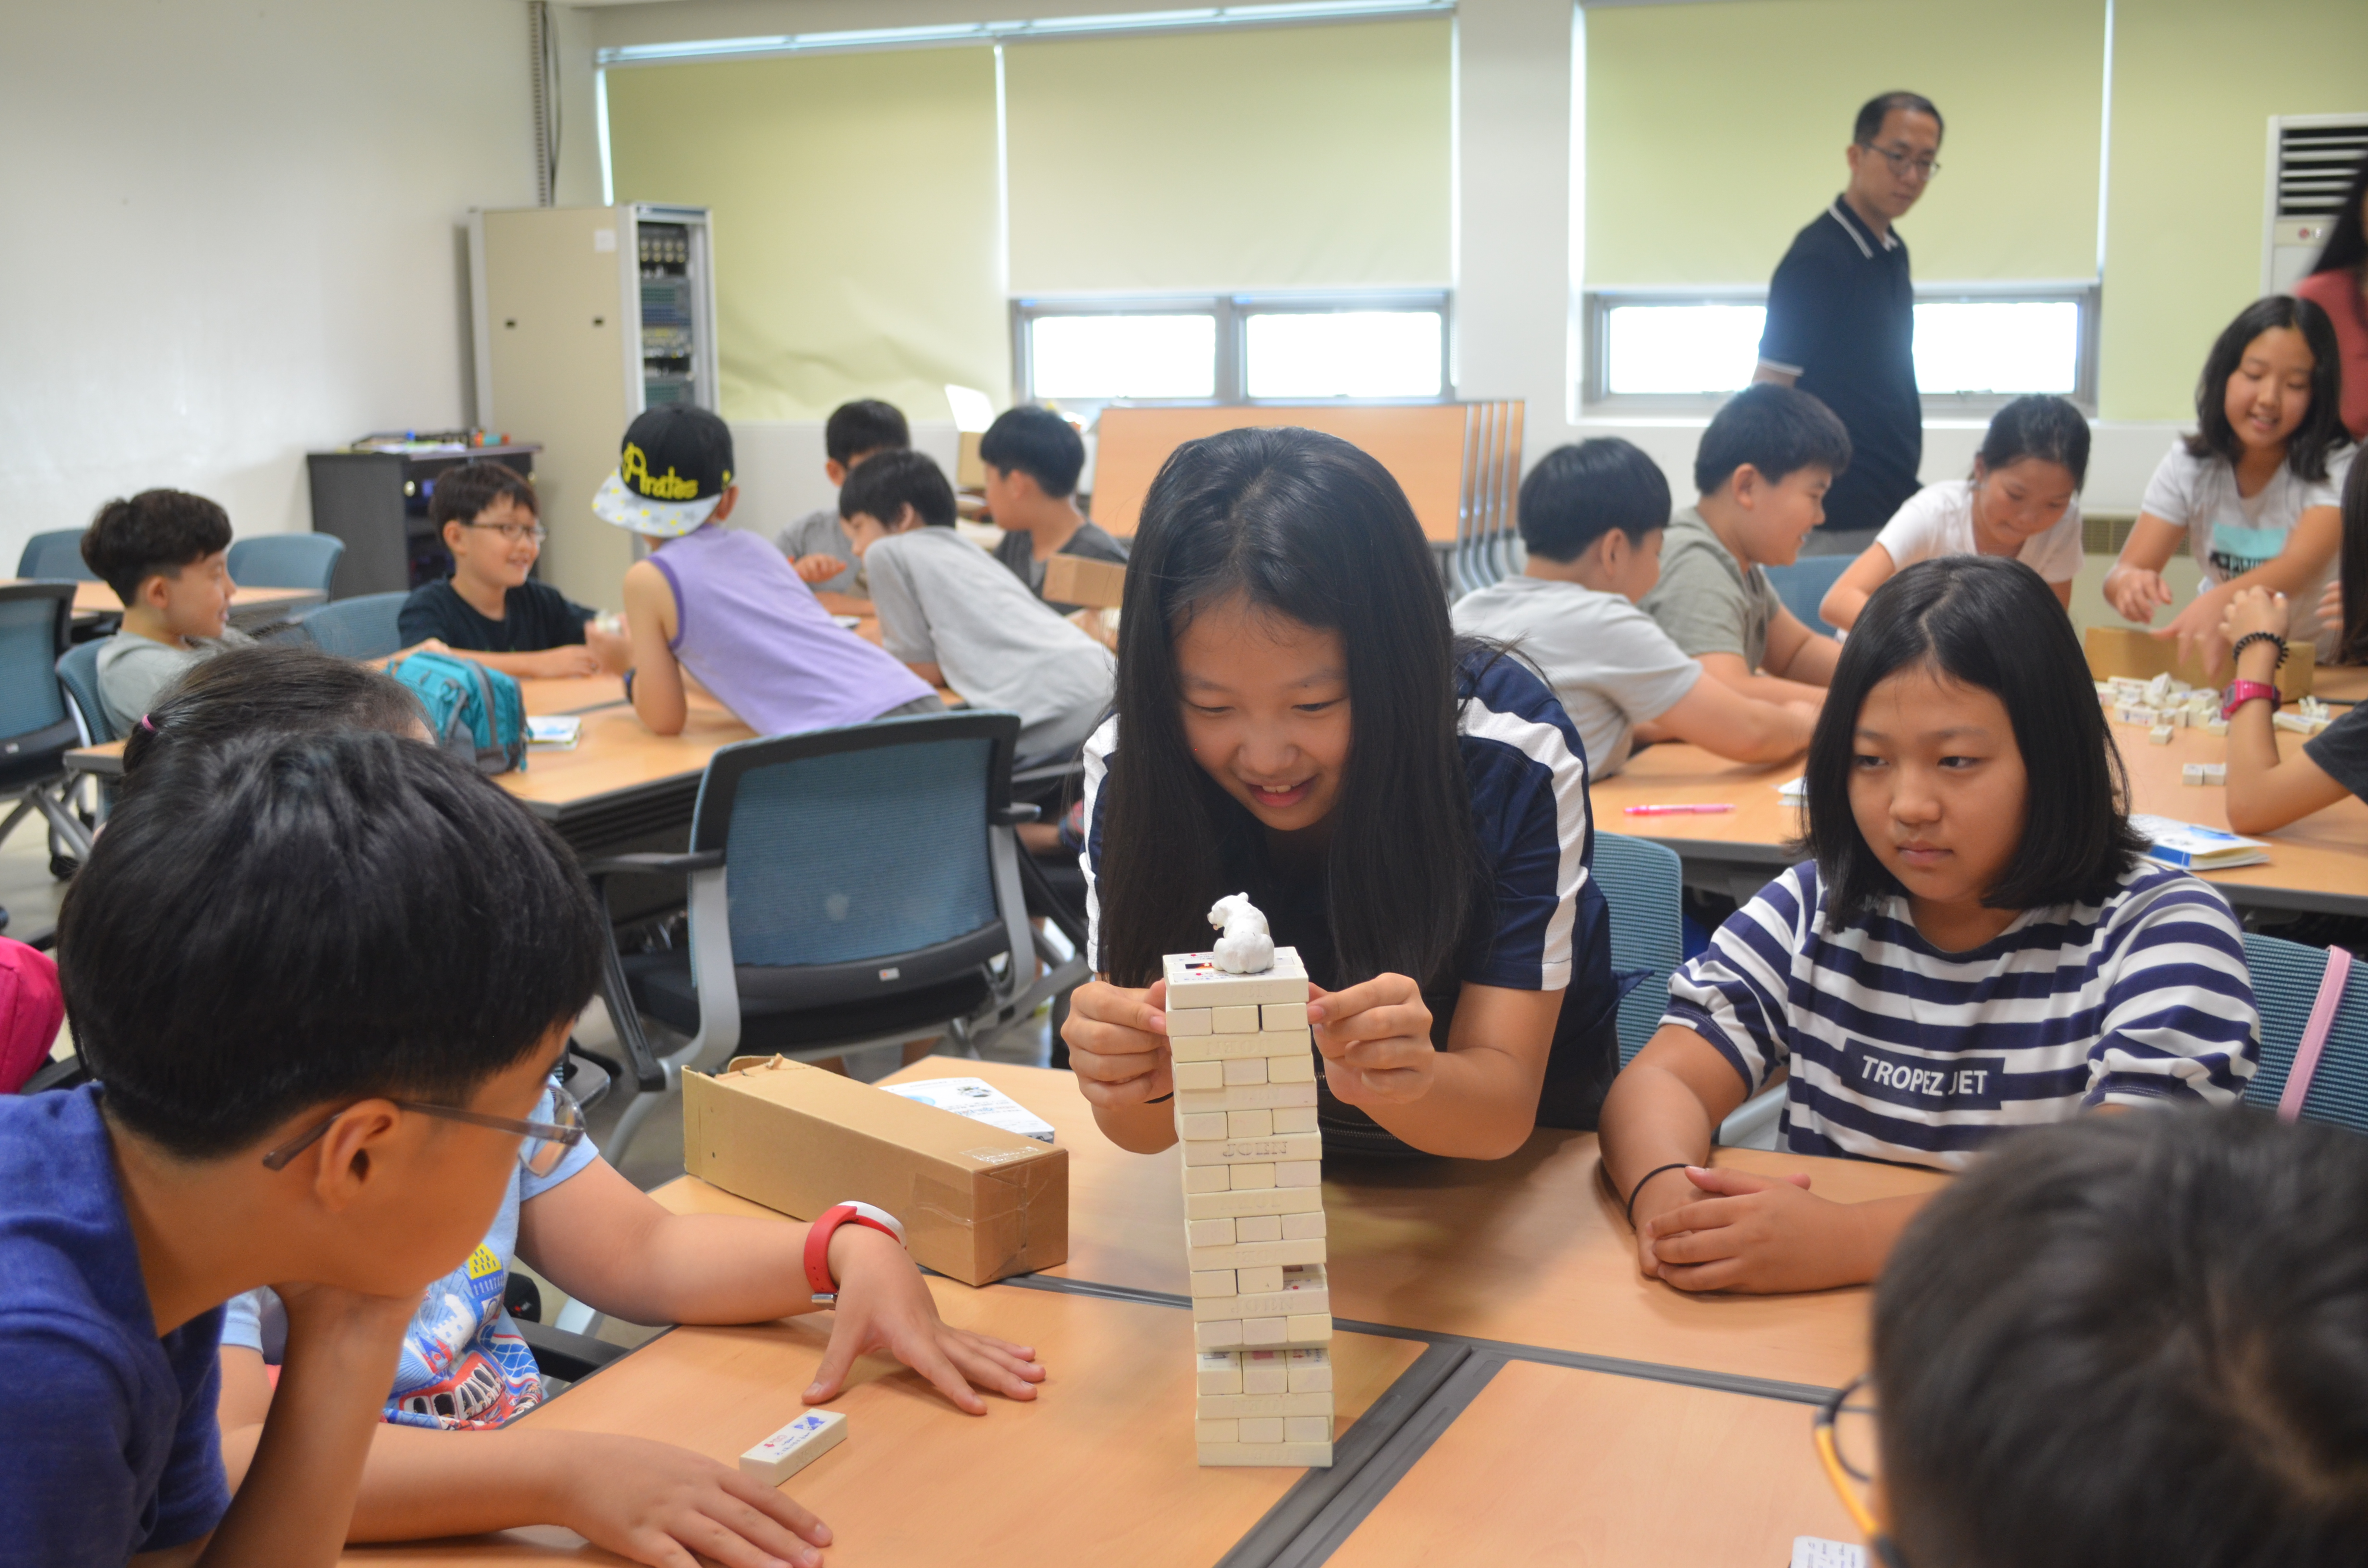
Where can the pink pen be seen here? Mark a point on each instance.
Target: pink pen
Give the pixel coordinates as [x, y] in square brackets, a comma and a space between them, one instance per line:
[1675, 810]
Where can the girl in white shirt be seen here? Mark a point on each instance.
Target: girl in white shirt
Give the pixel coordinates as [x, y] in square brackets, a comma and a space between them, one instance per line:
[2021, 502]
[2254, 489]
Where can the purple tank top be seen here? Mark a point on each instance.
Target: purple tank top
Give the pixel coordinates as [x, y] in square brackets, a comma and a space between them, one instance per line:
[756, 636]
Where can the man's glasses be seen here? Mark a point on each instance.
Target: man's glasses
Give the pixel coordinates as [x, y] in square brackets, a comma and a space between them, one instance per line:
[1844, 1433]
[1906, 163]
[519, 533]
[542, 1146]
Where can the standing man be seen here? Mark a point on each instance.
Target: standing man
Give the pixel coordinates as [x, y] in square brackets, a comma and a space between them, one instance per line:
[1841, 319]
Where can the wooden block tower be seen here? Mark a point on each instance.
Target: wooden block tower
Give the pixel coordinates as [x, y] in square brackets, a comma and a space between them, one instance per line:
[1244, 1070]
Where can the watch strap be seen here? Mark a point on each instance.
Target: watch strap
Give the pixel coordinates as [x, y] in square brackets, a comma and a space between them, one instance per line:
[2243, 691]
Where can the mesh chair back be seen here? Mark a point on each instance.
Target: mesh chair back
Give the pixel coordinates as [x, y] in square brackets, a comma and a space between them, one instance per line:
[1641, 884]
[57, 553]
[285, 561]
[362, 628]
[78, 673]
[33, 620]
[1803, 585]
[2285, 983]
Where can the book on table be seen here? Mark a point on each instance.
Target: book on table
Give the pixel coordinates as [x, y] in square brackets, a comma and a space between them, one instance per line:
[2191, 847]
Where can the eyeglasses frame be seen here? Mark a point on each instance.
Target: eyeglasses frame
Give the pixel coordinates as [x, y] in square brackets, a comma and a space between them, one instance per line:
[551, 1133]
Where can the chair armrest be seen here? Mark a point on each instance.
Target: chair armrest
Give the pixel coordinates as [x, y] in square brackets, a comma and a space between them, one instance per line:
[559, 1354]
[654, 865]
[1014, 815]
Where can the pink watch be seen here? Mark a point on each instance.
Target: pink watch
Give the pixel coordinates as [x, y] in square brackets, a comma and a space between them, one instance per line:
[2243, 691]
[817, 1255]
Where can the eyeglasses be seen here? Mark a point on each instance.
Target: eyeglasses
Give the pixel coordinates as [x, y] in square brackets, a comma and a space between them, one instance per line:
[1906, 163]
[1844, 1434]
[543, 1142]
[516, 533]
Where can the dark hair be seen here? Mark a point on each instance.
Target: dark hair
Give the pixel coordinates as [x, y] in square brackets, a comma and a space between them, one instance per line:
[463, 493]
[1036, 442]
[2352, 566]
[2037, 426]
[1305, 526]
[1990, 622]
[864, 426]
[1777, 430]
[893, 480]
[285, 922]
[1876, 109]
[1578, 493]
[2321, 430]
[2347, 243]
[2122, 1342]
[155, 532]
[275, 688]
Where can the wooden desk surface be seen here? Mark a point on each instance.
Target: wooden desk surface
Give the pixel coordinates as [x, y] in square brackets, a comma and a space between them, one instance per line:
[1101, 1468]
[617, 754]
[1551, 1464]
[2320, 862]
[1526, 1249]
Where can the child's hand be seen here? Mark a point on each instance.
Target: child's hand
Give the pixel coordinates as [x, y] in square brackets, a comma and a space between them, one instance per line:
[611, 643]
[2254, 609]
[2136, 592]
[884, 1305]
[1752, 1233]
[2197, 629]
[818, 568]
[565, 661]
[1118, 1043]
[658, 1503]
[1375, 1040]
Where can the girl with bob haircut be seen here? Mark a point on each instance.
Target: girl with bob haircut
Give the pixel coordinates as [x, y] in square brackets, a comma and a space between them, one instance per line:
[1976, 943]
[2255, 488]
[2022, 502]
[1296, 720]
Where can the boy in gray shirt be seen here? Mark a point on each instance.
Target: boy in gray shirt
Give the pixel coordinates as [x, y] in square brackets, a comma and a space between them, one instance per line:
[814, 544]
[1593, 517]
[164, 553]
[958, 618]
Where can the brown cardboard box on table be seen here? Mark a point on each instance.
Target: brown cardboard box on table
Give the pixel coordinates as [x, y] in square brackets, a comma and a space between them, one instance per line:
[2135, 653]
[977, 1203]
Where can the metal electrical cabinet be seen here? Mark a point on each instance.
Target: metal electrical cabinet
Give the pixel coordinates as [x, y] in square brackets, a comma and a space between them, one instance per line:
[584, 316]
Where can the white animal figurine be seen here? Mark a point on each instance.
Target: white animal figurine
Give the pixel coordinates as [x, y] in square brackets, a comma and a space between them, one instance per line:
[1244, 945]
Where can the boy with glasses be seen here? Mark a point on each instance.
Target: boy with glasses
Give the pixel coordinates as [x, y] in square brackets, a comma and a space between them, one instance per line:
[490, 609]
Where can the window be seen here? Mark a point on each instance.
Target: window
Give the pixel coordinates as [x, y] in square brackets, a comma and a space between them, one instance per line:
[1233, 348]
[1975, 348]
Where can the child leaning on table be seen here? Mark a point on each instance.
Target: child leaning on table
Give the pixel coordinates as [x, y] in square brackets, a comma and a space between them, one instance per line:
[2127, 1343]
[278, 1099]
[2266, 791]
[435, 1468]
[1977, 944]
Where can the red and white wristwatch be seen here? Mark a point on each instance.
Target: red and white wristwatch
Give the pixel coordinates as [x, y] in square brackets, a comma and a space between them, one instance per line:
[825, 1290]
[2243, 691]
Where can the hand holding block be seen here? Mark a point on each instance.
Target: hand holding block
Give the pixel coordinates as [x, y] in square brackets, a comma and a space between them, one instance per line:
[794, 1446]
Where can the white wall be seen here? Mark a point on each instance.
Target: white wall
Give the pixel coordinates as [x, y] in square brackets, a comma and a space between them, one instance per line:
[234, 238]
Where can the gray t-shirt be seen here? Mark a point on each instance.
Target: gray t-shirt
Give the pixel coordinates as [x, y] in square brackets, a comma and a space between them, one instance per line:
[1706, 600]
[942, 599]
[1017, 550]
[133, 671]
[1609, 662]
[818, 533]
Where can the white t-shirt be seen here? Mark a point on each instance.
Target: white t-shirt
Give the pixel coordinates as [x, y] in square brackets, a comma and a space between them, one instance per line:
[1610, 665]
[1939, 520]
[2231, 534]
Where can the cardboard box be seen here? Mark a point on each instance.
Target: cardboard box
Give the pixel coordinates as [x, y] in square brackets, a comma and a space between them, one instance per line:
[1081, 580]
[2127, 651]
[977, 1203]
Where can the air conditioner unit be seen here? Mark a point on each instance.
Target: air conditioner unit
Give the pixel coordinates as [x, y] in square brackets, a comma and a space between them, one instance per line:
[2311, 160]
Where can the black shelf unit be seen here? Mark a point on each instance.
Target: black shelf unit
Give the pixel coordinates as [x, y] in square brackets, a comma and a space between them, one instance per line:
[376, 502]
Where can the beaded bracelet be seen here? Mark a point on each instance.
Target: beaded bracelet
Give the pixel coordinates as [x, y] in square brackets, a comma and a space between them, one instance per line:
[2251, 637]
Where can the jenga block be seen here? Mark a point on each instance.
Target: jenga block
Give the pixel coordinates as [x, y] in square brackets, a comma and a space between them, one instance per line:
[1206, 1178]
[1266, 1371]
[1246, 1070]
[1259, 1429]
[1309, 1456]
[1255, 1254]
[1204, 1125]
[1223, 1233]
[1243, 1097]
[1291, 1070]
[1261, 1278]
[1251, 1124]
[1226, 1046]
[1214, 1282]
[1287, 1119]
[1315, 1328]
[1197, 1076]
[1195, 981]
[1295, 1298]
[1184, 1021]
[1275, 1016]
[1221, 1431]
[1234, 1020]
[1306, 1148]
[1228, 1205]
[1234, 1406]
[1275, 1331]
[1310, 1370]
[1246, 1178]
[1306, 1429]
[1294, 1172]
[1251, 1228]
[1225, 1335]
[1219, 1372]
[1301, 1227]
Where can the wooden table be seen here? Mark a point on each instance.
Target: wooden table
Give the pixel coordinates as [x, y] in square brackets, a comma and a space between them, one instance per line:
[248, 606]
[2319, 863]
[1100, 1468]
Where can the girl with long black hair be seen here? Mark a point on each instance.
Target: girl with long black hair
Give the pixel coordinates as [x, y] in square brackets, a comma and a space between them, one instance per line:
[1295, 718]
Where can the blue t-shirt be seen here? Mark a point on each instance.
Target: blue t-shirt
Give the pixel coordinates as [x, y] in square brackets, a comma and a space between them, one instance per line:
[463, 1364]
[1544, 926]
[113, 1444]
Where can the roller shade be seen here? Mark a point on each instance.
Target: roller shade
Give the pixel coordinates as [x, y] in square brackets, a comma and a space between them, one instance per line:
[1244, 159]
[1715, 132]
[854, 199]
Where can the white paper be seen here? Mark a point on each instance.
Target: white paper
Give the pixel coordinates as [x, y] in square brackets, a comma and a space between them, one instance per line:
[1794, 793]
[979, 1100]
[1815, 1552]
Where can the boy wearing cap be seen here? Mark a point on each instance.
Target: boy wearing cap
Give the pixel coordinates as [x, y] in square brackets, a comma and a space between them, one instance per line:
[725, 604]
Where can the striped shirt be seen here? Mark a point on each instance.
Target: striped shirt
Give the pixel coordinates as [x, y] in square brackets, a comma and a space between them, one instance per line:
[1899, 1050]
[1546, 927]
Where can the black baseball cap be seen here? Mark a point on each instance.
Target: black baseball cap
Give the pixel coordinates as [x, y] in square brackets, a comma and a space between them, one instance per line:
[674, 468]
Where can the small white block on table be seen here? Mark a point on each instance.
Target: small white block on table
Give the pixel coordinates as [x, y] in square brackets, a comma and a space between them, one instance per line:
[794, 1446]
